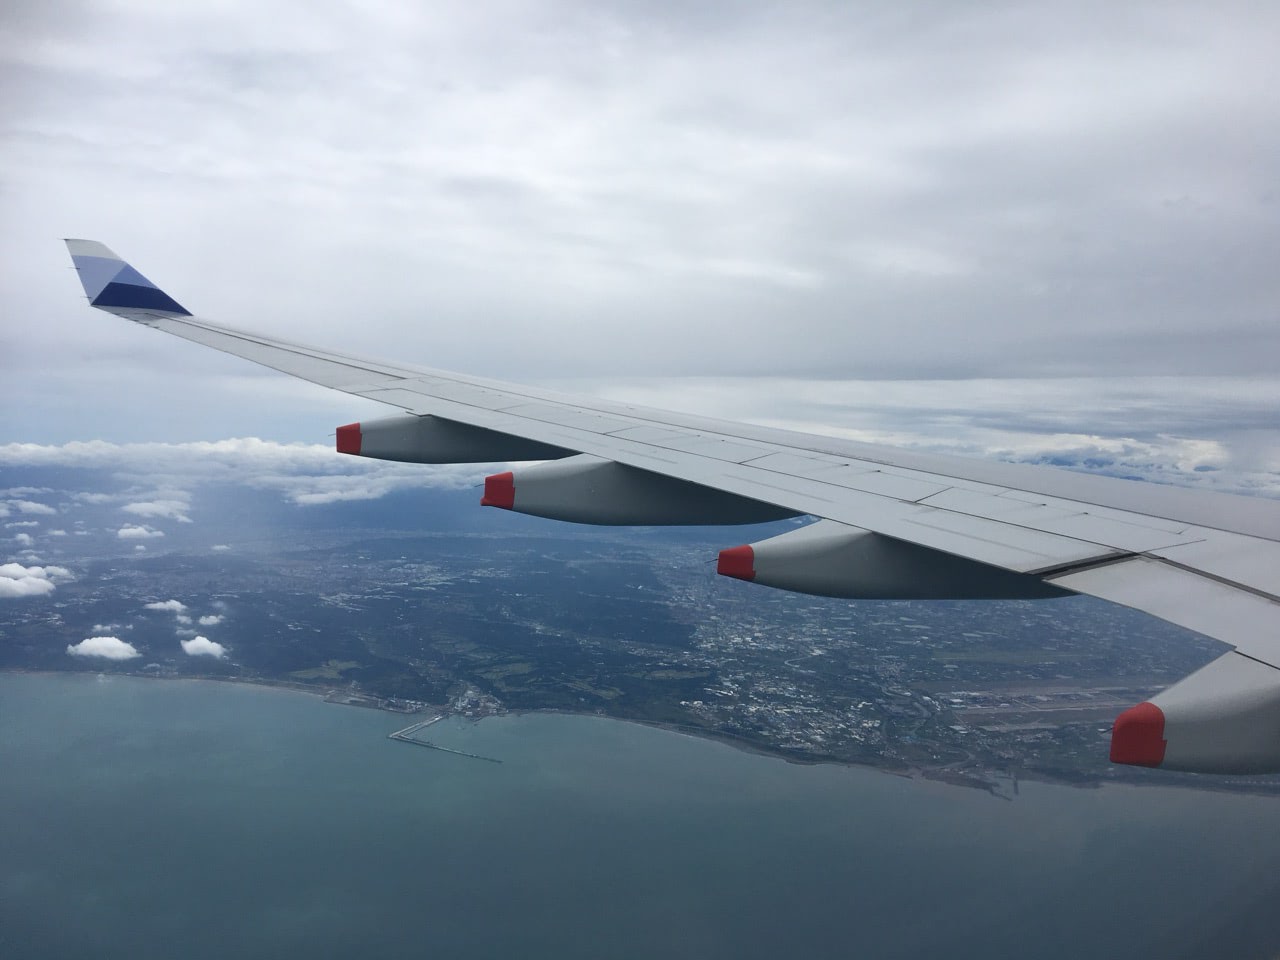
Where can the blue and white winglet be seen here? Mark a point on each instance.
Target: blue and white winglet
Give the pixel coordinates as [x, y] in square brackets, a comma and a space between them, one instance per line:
[114, 286]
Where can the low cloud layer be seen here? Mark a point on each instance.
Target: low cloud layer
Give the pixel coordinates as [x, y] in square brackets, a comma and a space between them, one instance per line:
[19, 581]
[109, 648]
[1217, 432]
[203, 647]
[159, 509]
[304, 474]
[134, 532]
[211, 620]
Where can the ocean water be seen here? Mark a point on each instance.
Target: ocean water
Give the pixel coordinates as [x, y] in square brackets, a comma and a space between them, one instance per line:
[185, 819]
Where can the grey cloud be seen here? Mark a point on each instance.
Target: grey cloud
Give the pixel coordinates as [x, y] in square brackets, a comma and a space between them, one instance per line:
[825, 191]
[32, 508]
[161, 509]
[93, 497]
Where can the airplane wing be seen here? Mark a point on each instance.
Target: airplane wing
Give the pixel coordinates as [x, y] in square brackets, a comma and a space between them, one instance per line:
[890, 523]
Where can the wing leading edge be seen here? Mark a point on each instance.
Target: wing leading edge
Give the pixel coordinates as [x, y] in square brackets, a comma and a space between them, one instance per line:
[892, 523]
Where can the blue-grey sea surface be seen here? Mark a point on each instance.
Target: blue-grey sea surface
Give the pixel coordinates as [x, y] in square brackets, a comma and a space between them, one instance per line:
[185, 819]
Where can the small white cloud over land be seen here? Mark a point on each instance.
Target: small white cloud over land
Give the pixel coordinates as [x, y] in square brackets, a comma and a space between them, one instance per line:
[19, 581]
[109, 648]
[203, 647]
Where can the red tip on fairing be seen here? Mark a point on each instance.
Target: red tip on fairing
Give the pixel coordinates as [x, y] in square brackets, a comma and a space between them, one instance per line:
[738, 562]
[1138, 736]
[349, 439]
[499, 491]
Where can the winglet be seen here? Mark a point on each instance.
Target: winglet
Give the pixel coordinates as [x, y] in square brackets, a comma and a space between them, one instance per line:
[113, 285]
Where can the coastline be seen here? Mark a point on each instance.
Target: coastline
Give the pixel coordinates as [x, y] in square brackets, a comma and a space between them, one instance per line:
[992, 782]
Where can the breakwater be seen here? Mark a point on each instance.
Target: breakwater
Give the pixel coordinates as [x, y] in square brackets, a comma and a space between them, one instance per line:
[408, 735]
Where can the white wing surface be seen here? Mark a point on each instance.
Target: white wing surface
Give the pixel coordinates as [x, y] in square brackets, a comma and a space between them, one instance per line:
[892, 523]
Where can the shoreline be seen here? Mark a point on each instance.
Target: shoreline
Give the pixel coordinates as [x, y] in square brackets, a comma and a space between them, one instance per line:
[992, 784]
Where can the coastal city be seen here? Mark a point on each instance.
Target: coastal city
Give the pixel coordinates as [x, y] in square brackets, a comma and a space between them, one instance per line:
[627, 624]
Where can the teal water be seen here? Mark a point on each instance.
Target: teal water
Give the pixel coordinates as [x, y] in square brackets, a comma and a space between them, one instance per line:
[172, 818]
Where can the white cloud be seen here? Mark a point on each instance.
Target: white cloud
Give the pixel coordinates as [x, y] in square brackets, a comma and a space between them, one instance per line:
[23, 523]
[110, 648]
[182, 618]
[220, 547]
[177, 606]
[17, 580]
[24, 539]
[32, 508]
[211, 620]
[202, 647]
[139, 549]
[138, 533]
[57, 533]
[100, 628]
[4, 510]
[305, 474]
[160, 509]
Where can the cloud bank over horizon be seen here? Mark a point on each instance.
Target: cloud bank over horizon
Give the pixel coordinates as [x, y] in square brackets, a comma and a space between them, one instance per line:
[1213, 432]
[304, 474]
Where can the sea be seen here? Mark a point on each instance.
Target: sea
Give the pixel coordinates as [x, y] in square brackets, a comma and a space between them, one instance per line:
[172, 818]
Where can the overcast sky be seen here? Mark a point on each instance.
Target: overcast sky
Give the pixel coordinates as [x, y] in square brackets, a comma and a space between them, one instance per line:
[1022, 196]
